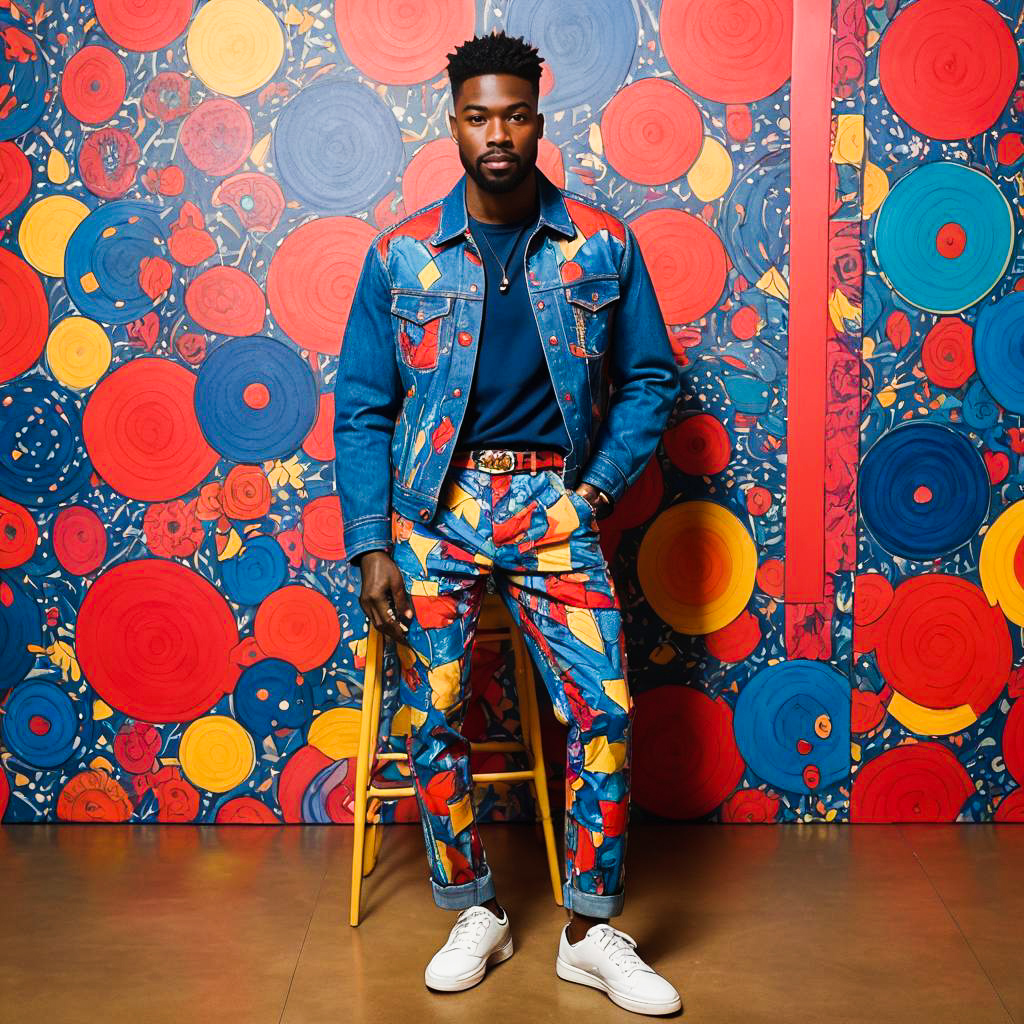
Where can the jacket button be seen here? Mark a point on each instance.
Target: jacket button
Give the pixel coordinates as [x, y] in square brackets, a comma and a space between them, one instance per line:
[568, 397]
[472, 287]
[424, 513]
[593, 296]
[457, 392]
[540, 304]
[553, 340]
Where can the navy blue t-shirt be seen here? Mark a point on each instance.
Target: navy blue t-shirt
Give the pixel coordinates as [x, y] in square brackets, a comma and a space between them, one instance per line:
[512, 401]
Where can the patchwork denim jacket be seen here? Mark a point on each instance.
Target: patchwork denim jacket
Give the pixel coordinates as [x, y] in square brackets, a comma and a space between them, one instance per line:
[409, 353]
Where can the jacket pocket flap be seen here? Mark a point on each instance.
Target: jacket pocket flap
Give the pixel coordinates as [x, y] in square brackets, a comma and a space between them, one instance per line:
[593, 293]
[420, 307]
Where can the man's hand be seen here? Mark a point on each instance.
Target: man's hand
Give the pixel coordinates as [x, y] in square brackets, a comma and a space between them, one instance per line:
[596, 498]
[383, 597]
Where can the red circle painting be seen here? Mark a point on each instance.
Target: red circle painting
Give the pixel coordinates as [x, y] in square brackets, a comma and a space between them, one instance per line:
[154, 639]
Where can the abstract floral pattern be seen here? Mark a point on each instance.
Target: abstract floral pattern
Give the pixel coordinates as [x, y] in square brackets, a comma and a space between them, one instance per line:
[186, 193]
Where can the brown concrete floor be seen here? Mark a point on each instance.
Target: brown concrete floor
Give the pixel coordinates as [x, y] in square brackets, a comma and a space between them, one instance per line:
[155, 924]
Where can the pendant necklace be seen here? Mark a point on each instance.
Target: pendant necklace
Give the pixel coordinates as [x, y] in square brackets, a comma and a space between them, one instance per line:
[504, 283]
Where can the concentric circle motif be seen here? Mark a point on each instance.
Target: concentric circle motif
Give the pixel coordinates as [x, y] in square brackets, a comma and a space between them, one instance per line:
[45, 229]
[15, 181]
[431, 173]
[686, 260]
[923, 490]
[944, 236]
[754, 222]
[105, 258]
[42, 463]
[298, 625]
[142, 26]
[685, 759]
[24, 79]
[24, 316]
[404, 43]
[260, 568]
[216, 753]
[944, 649]
[652, 131]
[337, 147]
[948, 67]
[256, 399]
[78, 352]
[1013, 742]
[41, 724]
[217, 136]
[18, 534]
[312, 278]
[915, 782]
[946, 353]
[1001, 564]
[79, 540]
[271, 695]
[711, 173]
[999, 350]
[697, 565]
[732, 51]
[226, 300]
[93, 85]
[792, 725]
[235, 46]
[588, 45]
[699, 445]
[322, 533]
[330, 796]
[21, 624]
[141, 431]
[154, 639]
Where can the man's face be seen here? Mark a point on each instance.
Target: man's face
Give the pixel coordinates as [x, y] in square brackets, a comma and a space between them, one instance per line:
[496, 126]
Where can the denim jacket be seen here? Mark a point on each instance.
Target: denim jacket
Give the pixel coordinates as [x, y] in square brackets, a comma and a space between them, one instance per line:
[409, 352]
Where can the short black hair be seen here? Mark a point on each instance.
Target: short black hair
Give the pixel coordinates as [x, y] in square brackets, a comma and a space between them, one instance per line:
[494, 54]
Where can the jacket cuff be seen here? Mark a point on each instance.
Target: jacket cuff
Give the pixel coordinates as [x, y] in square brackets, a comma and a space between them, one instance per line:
[368, 533]
[602, 472]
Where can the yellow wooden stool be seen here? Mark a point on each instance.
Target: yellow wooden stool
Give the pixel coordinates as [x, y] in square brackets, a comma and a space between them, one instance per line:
[496, 624]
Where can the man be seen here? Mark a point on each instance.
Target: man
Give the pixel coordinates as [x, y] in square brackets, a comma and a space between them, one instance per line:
[477, 439]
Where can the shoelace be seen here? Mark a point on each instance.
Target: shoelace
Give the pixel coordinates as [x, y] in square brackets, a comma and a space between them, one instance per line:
[622, 946]
[472, 920]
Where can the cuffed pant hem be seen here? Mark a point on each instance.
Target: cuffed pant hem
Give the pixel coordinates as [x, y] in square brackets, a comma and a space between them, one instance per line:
[592, 904]
[469, 894]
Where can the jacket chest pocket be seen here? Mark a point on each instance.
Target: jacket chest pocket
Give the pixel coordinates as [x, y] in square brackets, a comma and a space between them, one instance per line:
[592, 304]
[420, 320]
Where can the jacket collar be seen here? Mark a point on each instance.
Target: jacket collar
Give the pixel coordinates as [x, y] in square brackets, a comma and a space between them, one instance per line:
[454, 219]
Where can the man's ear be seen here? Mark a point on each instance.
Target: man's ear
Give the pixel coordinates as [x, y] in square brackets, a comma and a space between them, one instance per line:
[540, 126]
[451, 126]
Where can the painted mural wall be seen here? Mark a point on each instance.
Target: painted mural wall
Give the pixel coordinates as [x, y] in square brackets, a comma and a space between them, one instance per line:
[186, 194]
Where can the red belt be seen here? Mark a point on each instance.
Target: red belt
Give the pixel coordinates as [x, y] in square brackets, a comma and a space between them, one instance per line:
[503, 460]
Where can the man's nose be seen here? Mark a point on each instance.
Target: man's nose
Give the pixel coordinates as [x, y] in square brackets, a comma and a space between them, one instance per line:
[497, 133]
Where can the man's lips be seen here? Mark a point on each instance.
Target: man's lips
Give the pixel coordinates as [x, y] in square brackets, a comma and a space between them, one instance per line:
[499, 161]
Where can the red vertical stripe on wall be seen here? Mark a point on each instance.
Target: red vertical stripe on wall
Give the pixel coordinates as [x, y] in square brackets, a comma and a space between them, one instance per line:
[810, 123]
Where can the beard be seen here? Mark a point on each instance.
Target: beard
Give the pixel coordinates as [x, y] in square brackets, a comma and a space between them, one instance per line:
[520, 172]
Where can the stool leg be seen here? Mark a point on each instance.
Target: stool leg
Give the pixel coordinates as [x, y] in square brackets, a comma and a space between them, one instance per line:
[532, 736]
[368, 717]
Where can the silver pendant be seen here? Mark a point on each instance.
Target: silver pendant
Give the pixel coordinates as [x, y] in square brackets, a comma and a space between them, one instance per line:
[503, 286]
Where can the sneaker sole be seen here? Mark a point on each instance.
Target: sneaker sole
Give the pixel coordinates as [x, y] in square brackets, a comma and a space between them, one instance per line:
[567, 972]
[502, 953]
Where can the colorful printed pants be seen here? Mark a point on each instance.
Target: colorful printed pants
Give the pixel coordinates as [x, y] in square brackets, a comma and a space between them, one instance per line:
[554, 579]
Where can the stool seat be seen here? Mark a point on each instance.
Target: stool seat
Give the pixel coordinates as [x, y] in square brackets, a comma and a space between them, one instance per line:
[495, 625]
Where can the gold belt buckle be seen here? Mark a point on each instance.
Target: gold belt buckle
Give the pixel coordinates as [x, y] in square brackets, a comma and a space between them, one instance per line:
[496, 460]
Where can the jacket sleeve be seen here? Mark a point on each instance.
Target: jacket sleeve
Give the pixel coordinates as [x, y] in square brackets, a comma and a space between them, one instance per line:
[367, 398]
[645, 381]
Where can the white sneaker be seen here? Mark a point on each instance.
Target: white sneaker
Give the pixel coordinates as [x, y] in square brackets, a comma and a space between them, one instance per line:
[605, 958]
[477, 940]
